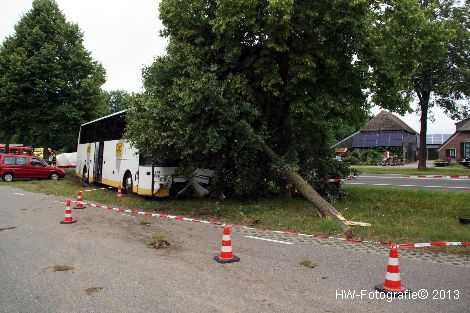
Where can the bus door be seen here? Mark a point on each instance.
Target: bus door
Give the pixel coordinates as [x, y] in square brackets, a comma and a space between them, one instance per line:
[98, 164]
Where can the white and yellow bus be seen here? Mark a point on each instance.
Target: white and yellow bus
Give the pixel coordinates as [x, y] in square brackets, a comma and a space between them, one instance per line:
[104, 157]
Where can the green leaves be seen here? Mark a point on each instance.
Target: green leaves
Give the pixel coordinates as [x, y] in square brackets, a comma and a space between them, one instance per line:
[421, 50]
[50, 84]
[118, 100]
[239, 73]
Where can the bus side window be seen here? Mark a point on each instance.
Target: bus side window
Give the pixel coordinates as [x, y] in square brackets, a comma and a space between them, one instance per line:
[93, 132]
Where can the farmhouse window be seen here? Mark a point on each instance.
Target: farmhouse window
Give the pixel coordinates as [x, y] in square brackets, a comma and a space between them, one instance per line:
[466, 150]
[450, 153]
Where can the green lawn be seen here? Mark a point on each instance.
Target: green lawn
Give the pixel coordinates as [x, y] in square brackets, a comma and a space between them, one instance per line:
[402, 215]
[447, 171]
[396, 215]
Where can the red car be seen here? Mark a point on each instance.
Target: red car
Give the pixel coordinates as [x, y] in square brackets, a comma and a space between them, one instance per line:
[14, 166]
[17, 149]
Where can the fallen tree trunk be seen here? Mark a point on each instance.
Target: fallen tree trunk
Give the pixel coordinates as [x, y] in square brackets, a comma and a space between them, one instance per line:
[325, 208]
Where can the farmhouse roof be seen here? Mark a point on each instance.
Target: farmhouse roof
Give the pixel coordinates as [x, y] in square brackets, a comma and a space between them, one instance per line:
[386, 121]
[463, 125]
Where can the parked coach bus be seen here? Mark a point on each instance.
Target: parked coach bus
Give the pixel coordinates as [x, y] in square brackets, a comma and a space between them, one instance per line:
[103, 156]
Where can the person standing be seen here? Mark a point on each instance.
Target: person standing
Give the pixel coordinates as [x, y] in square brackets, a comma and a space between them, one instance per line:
[53, 158]
[386, 155]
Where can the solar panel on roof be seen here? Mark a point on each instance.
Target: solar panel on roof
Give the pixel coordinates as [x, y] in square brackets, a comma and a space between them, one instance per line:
[436, 139]
[385, 139]
[395, 136]
[370, 136]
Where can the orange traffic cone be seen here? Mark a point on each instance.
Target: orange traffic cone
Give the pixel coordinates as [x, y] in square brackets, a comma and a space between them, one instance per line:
[226, 254]
[68, 214]
[79, 204]
[392, 282]
[119, 194]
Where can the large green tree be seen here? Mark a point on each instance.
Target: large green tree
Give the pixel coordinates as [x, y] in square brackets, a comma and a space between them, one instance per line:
[242, 73]
[118, 100]
[49, 83]
[421, 51]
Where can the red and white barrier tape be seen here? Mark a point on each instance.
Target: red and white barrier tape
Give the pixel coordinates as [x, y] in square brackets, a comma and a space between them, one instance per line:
[438, 176]
[95, 189]
[405, 245]
[285, 233]
[434, 244]
[340, 180]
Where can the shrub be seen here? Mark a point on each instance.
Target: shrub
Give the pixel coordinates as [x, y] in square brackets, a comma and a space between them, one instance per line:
[364, 156]
[371, 156]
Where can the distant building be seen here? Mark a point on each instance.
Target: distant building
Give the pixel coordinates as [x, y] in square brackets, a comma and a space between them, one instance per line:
[457, 146]
[433, 142]
[385, 130]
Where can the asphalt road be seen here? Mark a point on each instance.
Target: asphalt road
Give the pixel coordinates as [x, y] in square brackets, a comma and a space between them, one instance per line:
[400, 181]
[107, 252]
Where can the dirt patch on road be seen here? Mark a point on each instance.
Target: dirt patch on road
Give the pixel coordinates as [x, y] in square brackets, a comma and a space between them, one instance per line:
[308, 263]
[157, 241]
[61, 268]
[145, 222]
[244, 275]
[92, 290]
[7, 228]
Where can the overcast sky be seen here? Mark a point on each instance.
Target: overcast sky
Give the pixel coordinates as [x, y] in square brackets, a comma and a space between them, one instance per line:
[124, 36]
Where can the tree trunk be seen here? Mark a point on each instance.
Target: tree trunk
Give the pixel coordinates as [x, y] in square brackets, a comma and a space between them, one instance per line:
[46, 148]
[283, 61]
[422, 153]
[7, 144]
[310, 194]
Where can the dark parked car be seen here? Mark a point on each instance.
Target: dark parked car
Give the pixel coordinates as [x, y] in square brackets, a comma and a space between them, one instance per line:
[466, 162]
[14, 166]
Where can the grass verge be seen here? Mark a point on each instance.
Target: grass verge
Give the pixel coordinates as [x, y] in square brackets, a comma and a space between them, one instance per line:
[396, 215]
[412, 171]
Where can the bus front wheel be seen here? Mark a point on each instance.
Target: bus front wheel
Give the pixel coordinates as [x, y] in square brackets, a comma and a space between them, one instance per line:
[127, 183]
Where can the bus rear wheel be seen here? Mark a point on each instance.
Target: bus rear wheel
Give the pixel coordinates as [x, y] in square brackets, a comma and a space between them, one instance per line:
[85, 177]
[127, 183]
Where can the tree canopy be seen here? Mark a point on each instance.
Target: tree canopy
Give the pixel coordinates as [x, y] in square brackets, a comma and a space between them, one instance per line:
[241, 73]
[49, 84]
[421, 50]
[118, 100]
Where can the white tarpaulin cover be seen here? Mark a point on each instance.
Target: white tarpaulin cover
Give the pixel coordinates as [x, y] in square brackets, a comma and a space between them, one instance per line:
[67, 159]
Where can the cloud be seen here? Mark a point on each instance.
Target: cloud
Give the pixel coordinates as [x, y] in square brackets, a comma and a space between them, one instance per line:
[122, 35]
